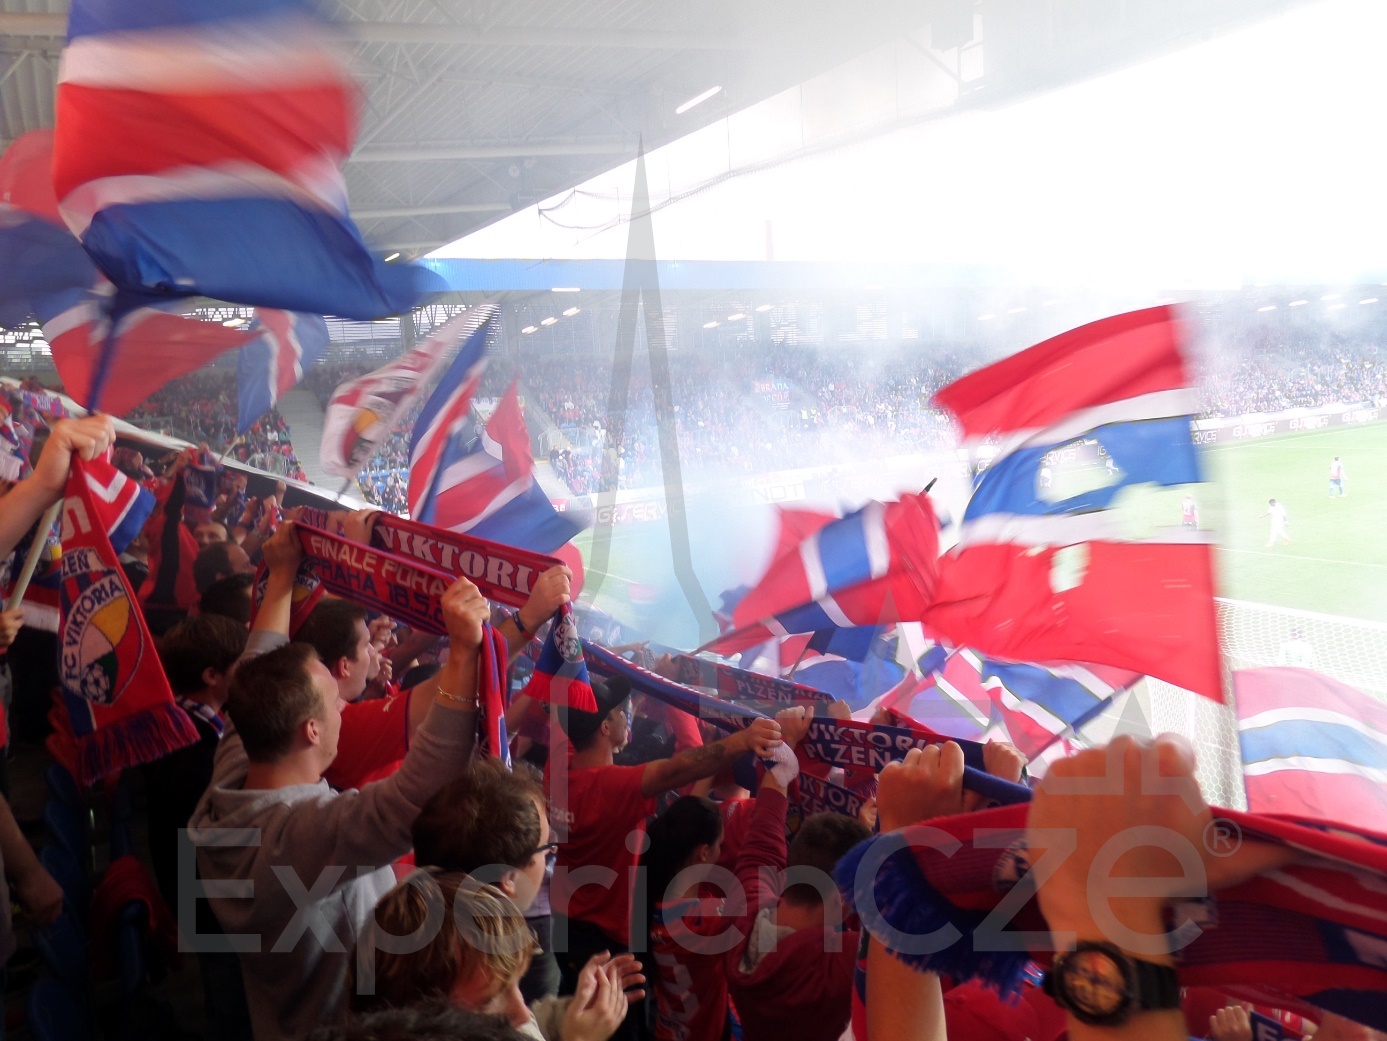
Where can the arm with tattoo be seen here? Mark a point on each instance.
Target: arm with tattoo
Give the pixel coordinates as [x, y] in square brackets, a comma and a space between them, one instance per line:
[704, 761]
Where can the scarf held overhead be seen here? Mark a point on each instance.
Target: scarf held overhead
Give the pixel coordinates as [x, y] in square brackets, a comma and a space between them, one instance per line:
[118, 701]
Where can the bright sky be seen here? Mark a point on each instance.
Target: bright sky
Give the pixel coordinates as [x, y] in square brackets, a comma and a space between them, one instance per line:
[1257, 157]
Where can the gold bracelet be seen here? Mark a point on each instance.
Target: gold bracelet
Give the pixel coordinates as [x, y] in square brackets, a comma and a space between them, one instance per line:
[470, 701]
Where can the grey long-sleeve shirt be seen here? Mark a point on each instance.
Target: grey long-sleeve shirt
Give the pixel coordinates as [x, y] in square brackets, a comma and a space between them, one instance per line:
[320, 866]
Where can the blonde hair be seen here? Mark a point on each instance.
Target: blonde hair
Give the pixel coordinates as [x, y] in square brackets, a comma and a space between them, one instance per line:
[433, 929]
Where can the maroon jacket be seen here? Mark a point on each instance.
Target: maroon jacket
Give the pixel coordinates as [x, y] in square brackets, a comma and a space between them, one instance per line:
[799, 989]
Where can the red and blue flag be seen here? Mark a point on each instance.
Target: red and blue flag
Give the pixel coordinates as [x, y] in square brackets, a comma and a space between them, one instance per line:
[198, 152]
[486, 486]
[1049, 572]
[287, 344]
[444, 419]
[1312, 747]
[365, 411]
[873, 567]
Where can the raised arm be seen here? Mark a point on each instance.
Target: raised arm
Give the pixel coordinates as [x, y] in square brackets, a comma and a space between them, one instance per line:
[25, 502]
[552, 589]
[762, 737]
[282, 555]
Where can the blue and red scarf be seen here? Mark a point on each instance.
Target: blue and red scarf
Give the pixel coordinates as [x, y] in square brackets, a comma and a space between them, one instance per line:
[1303, 938]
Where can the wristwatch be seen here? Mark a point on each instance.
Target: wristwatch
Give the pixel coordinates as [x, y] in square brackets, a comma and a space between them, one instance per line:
[1103, 986]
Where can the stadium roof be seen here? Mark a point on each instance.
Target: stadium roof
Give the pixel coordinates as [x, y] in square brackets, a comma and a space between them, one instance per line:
[477, 109]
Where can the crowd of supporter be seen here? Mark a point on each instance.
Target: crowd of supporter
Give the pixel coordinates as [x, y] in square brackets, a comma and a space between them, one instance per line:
[201, 408]
[619, 875]
[758, 407]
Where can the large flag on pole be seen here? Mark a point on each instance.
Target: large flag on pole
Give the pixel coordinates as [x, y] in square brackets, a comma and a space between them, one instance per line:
[443, 419]
[1050, 570]
[198, 152]
[286, 345]
[363, 412]
[49, 275]
[487, 488]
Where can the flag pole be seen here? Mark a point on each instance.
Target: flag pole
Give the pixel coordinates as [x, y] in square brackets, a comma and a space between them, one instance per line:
[239, 439]
[795, 667]
[31, 560]
[343, 490]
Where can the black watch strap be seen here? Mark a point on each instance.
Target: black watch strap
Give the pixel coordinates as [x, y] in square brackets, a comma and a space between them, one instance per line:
[1157, 986]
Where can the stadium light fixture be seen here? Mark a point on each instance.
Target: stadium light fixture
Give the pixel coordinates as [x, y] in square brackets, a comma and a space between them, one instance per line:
[548, 321]
[986, 317]
[696, 101]
[529, 328]
[571, 312]
[1370, 300]
[1298, 303]
[1268, 307]
[736, 317]
[234, 323]
[711, 325]
[1015, 310]
[566, 289]
[393, 256]
[764, 308]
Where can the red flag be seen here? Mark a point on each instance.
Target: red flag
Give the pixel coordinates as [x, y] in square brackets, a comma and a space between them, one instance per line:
[118, 700]
[1312, 747]
[152, 348]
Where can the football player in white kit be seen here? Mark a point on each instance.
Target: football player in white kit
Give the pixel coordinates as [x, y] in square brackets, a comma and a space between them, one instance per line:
[1336, 479]
[1279, 523]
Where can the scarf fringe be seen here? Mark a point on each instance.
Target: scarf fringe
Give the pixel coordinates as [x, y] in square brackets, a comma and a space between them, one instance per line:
[139, 738]
[911, 906]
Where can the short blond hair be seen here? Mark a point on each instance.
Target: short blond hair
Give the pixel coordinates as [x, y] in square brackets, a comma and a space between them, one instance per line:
[433, 929]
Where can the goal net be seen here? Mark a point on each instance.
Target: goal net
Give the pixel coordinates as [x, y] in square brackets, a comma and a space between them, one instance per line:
[1255, 636]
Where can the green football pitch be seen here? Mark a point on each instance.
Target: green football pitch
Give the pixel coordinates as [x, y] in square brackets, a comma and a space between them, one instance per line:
[1336, 563]
[1337, 560]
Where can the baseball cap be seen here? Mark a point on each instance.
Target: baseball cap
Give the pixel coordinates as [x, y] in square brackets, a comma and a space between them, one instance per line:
[580, 725]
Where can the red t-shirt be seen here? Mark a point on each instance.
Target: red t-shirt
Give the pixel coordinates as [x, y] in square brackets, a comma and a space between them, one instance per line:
[603, 806]
[687, 944]
[374, 739]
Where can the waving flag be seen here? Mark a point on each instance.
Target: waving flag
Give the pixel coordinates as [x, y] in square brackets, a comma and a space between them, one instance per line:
[286, 345]
[486, 488]
[140, 352]
[200, 476]
[364, 411]
[38, 254]
[198, 150]
[1039, 575]
[1312, 747]
[444, 419]
[118, 701]
[873, 567]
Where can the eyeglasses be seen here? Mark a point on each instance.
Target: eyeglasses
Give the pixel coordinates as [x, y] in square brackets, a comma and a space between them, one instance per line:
[548, 849]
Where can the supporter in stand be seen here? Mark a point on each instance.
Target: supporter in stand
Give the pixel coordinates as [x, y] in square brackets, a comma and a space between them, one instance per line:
[229, 597]
[197, 655]
[475, 957]
[430, 1021]
[690, 934]
[332, 848]
[202, 408]
[493, 824]
[599, 811]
